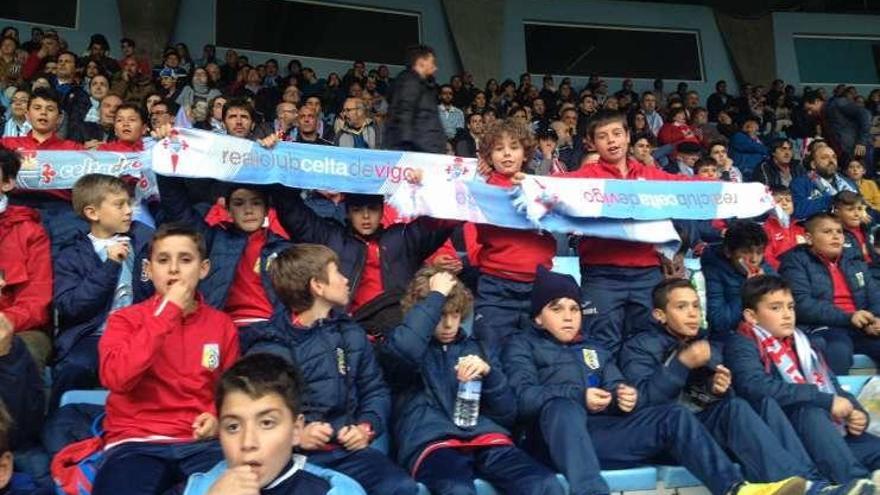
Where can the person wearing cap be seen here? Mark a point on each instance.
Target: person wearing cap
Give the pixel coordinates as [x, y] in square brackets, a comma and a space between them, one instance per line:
[584, 415]
[686, 155]
[546, 160]
[98, 49]
[779, 169]
[379, 261]
[168, 86]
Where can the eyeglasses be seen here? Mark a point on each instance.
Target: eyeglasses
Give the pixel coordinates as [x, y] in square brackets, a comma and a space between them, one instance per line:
[346, 110]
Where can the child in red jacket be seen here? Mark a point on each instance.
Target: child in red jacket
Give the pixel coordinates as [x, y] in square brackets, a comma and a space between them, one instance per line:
[25, 267]
[161, 360]
[781, 237]
[508, 258]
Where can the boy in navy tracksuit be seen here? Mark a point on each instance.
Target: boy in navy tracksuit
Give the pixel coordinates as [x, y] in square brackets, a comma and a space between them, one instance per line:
[11, 483]
[258, 403]
[425, 359]
[378, 261]
[584, 414]
[852, 211]
[725, 267]
[241, 243]
[674, 363]
[771, 357]
[837, 298]
[21, 391]
[347, 403]
[101, 271]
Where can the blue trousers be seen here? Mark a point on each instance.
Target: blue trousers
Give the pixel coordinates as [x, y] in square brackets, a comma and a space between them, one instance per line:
[452, 472]
[617, 302]
[766, 445]
[501, 309]
[77, 370]
[841, 343]
[369, 467]
[153, 468]
[839, 458]
[580, 445]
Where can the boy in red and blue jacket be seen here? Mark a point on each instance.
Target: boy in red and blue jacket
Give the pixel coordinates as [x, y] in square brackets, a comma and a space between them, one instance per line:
[100, 272]
[26, 266]
[161, 360]
[348, 403]
[837, 298]
[771, 358]
[425, 359]
[781, 236]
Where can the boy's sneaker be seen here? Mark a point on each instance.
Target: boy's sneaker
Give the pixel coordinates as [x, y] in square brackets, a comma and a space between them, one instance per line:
[854, 487]
[789, 486]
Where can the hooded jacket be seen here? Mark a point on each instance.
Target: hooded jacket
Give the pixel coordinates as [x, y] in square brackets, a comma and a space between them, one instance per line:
[27, 269]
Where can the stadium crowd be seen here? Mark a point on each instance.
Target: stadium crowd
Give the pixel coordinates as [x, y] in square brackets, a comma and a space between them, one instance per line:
[270, 340]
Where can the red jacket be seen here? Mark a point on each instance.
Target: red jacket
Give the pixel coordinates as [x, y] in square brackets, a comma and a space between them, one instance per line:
[672, 133]
[122, 146]
[24, 144]
[513, 254]
[161, 368]
[27, 266]
[612, 252]
[780, 239]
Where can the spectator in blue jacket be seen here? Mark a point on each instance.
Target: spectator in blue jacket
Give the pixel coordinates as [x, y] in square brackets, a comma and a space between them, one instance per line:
[584, 417]
[347, 402]
[813, 193]
[379, 261]
[425, 358]
[837, 298]
[99, 272]
[771, 357]
[675, 363]
[746, 149]
[726, 266]
[21, 392]
[844, 123]
[12, 483]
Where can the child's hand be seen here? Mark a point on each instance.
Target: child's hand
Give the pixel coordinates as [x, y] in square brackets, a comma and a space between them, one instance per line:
[269, 141]
[240, 480]
[354, 437]
[856, 423]
[749, 269]
[448, 262]
[627, 397]
[484, 168]
[841, 408]
[597, 399]
[181, 294]
[161, 132]
[518, 178]
[547, 148]
[721, 380]
[316, 435]
[118, 252]
[6, 333]
[471, 367]
[414, 176]
[92, 144]
[862, 318]
[205, 426]
[442, 282]
[696, 355]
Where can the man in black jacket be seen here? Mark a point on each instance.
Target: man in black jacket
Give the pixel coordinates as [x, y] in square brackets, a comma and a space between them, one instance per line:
[413, 120]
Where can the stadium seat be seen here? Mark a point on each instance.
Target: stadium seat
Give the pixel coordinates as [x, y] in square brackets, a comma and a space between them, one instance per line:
[569, 265]
[673, 477]
[97, 397]
[863, 365]
[853, 383]
[628, 480]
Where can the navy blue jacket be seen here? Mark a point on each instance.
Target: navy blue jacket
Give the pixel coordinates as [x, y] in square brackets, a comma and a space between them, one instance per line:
[85, 285]
[809, 199]
[403, 247]
[21, 390]
[647, 361]
[723, 285]
[754, 382]
[343, 377]
[540, 369]
[813, 289]
[225, 243]
[421, 373]
[851, 246]
[848, 123]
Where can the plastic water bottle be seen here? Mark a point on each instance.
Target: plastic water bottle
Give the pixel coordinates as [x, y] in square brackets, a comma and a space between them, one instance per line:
[467, 404]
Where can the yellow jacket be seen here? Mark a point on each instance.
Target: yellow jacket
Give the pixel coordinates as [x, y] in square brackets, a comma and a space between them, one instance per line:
[869, 190]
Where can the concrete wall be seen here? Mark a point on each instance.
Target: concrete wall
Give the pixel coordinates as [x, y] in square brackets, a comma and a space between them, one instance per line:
[786, 25]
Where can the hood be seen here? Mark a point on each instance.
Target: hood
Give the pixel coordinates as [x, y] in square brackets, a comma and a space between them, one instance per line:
[713, 258]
